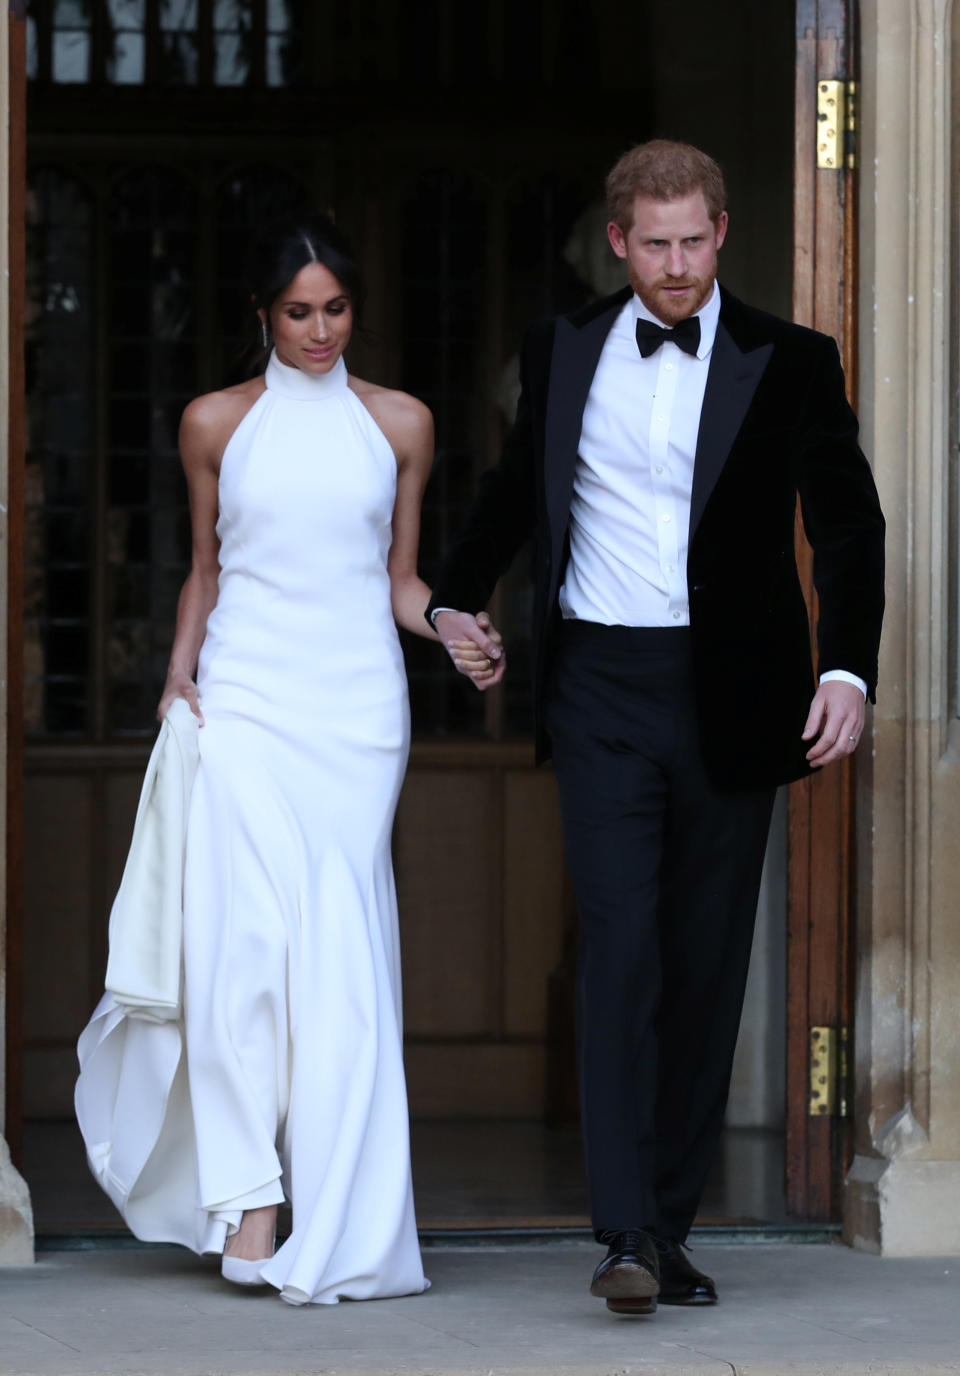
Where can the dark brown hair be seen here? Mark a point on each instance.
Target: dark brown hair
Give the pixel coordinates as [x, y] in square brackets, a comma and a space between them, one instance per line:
[664, 171]
[283, 248]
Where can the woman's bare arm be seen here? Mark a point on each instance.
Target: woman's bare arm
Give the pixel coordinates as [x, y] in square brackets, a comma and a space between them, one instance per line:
[408, 425]
[206, 427]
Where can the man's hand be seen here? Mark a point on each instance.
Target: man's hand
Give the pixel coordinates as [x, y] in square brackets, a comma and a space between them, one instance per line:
[836, 716]
[475, 646]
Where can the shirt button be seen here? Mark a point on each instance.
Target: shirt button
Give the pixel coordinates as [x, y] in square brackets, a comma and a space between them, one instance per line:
[661, 416]
[665, 517]
[669, 568]
[668, 368]
[676, 616]
[659, 467]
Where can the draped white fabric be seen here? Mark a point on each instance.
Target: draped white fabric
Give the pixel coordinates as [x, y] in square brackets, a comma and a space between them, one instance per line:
[144, 969]
[286, 1075]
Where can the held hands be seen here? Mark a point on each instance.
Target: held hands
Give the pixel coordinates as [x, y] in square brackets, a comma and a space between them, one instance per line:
[475, 646]
[836, 716]
[179, 686]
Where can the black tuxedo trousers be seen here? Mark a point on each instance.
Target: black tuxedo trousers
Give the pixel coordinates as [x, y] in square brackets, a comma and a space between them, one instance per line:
[666, 869]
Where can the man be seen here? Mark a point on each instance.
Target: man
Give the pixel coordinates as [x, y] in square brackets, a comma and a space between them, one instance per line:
[661, 440]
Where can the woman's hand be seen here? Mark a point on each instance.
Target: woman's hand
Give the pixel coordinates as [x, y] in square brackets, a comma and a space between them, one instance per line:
[473, 661]
[179, 686]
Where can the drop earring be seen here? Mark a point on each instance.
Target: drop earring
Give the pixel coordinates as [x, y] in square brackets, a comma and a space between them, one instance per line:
[264, 334]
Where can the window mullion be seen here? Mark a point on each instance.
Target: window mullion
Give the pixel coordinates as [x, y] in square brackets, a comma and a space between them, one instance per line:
[153, 60]
[99, 468]
[99, 31]
[258, 43]
[205, 44]
[43, 10]
[208, 343]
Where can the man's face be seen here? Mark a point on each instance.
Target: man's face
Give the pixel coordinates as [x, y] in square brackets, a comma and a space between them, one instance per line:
[671, 254]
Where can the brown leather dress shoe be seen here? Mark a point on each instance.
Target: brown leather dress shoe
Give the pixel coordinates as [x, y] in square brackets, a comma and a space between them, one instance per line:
[628, 1278]
[680, 1281]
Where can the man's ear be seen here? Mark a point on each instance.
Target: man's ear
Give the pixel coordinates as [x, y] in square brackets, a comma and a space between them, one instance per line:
[618, 240]
[722, 222]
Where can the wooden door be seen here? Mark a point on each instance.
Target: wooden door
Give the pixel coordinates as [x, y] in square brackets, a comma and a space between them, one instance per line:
[820, 861]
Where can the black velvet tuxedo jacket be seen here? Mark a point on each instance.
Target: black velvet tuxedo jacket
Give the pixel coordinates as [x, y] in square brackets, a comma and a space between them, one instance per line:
[775, 423]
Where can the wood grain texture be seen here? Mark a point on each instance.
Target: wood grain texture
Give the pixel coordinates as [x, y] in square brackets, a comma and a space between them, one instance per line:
[475, 1080]
[478, 857]
[820, 862]
[59, 894]
[447, 859]
[533, 899]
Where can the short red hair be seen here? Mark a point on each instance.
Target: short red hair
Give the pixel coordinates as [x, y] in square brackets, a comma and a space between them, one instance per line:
[664, 171]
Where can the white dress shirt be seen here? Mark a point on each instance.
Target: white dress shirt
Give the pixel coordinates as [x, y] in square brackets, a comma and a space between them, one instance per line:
[630, 513]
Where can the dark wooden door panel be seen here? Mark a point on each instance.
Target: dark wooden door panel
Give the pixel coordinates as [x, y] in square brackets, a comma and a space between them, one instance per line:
[820, 919]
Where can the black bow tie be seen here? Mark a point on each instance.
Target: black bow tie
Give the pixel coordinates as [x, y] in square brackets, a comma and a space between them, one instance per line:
[685, 334]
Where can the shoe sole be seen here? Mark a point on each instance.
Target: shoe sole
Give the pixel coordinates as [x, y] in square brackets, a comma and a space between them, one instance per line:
[238, 1271]
[636, 1306]
[627, 1289]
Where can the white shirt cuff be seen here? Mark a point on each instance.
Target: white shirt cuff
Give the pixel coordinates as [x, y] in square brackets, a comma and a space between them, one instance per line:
[841, 676]
[437, 610]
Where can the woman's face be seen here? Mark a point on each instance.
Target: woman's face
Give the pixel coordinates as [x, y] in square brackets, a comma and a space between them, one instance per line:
[311, 320]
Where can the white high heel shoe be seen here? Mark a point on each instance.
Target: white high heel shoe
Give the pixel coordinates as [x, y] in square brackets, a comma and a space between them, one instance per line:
[241, 1272]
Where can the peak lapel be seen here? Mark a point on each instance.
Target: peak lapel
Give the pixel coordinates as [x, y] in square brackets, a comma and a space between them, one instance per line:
[731, 383]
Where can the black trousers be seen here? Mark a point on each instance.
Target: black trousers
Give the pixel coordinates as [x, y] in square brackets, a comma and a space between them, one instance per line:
[666, 870]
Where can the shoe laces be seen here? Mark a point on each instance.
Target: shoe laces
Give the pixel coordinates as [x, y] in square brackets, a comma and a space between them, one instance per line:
[626, 1240]
[670, 1246]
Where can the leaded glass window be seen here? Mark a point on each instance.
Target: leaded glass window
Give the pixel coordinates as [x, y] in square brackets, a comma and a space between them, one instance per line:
[210, 118]
[152, 249]
[248, 199]
[218, 43]
[61, 428]
[126, 38]
[72, 45]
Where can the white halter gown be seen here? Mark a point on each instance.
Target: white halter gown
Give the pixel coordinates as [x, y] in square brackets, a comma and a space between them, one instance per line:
[291, 957]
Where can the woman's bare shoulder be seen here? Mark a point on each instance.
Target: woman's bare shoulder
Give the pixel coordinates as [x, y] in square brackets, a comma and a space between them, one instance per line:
[394, 409]
[209, 420]
[213, 410]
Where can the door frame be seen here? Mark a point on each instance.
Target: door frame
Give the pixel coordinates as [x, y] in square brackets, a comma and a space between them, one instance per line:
[16, 448]
[821, 817]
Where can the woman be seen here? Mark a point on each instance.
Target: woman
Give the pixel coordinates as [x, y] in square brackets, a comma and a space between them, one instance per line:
[305, 488]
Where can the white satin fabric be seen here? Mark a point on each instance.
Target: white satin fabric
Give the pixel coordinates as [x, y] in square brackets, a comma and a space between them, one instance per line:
[289, 1079]
[144, 967]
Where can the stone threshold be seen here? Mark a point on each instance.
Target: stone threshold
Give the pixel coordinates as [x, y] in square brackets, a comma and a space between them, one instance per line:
[714, 1234]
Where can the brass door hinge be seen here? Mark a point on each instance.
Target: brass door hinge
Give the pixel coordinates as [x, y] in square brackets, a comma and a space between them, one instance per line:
[836, 124]
[829, 1072]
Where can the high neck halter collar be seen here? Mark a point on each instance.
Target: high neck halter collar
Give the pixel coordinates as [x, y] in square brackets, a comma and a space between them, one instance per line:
[285, 381]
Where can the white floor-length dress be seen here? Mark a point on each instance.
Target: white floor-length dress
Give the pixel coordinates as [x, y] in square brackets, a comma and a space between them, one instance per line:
[288, 1076]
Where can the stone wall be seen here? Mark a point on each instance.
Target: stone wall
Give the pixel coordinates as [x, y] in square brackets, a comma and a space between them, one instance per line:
[903, 1191]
